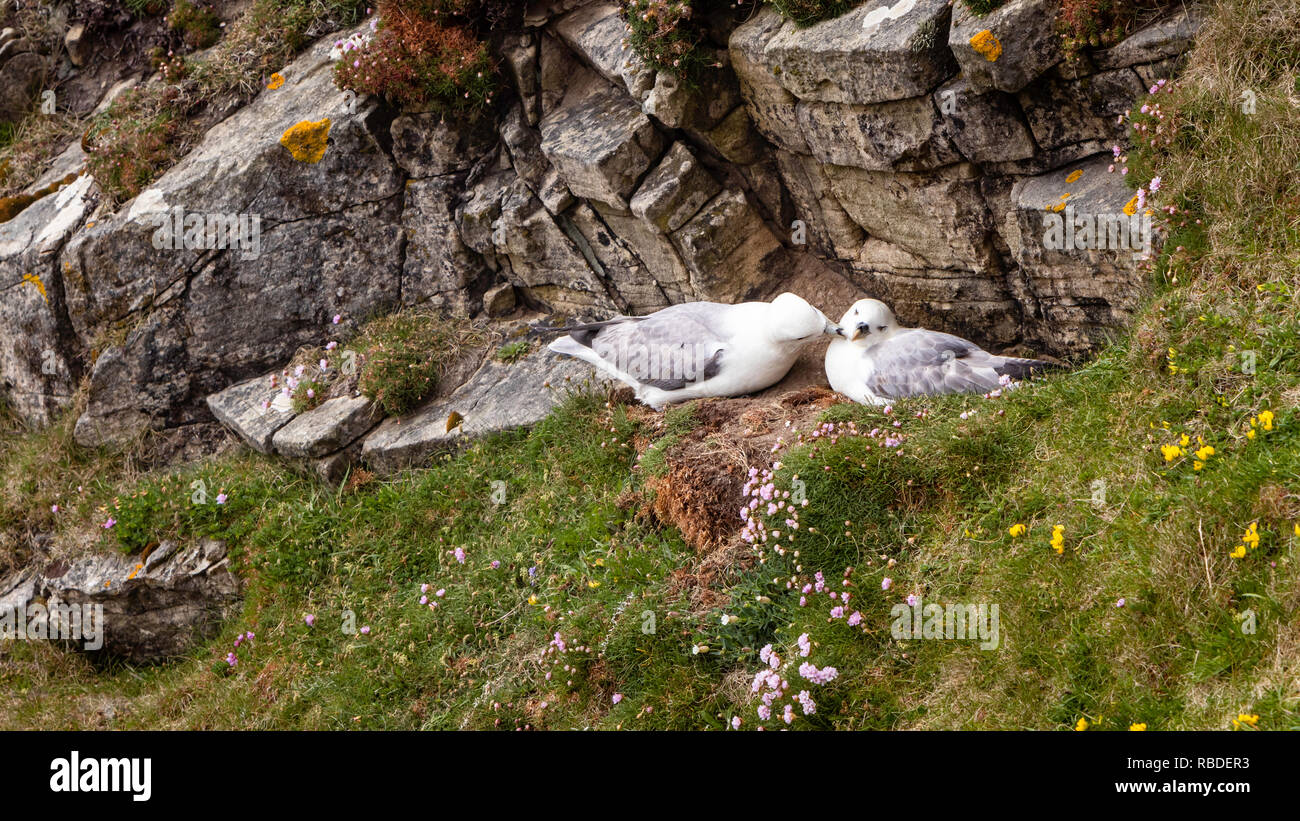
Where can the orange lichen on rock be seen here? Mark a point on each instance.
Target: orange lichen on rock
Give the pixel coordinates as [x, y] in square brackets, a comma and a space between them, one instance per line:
[307, 140]
[277, 80]
[986, 44]
[40, 286]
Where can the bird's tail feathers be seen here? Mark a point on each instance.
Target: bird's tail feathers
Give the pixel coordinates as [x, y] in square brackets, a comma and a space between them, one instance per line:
[1020, 368]
[582, 332]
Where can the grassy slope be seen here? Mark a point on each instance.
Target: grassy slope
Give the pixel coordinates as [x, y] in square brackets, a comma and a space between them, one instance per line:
[1173, 656]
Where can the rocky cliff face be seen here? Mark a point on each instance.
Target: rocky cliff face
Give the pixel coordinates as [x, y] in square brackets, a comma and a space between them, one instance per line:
[905, 151]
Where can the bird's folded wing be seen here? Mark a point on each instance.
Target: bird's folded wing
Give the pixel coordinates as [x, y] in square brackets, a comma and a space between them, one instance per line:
[678, 344]
[676, 326]
[920, 363]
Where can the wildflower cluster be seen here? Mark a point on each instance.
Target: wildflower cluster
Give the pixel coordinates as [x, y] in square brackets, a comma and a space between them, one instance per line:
[417, 61]
[772, 686]
[1261, 421]
[232, 658]
[1249, 541]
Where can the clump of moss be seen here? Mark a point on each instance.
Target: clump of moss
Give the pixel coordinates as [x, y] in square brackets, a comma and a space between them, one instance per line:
[807, 12]
[983, 7]
[198, 26]
[11, 207]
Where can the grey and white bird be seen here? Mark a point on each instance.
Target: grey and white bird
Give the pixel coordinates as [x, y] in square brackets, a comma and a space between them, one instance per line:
[699, 349]
[877, 361]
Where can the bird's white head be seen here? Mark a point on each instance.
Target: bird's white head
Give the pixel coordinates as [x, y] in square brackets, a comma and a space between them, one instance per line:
[792, 319]
[868, 318]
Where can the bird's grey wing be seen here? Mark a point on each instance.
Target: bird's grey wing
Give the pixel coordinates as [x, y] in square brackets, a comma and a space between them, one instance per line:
[928, 363]
[669, 349]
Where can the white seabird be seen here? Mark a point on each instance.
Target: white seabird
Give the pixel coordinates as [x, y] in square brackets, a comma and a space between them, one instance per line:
[877, 360]
[699, 349]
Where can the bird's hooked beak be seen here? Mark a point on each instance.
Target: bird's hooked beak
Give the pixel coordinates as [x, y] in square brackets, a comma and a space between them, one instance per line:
[859, 330]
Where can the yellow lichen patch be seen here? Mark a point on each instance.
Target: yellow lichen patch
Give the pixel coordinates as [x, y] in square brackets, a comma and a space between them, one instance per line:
[1058, 208]
[1074, 175]
[1132, 206]
[40, 286]
[987, 45]
[277, 80]
[306, 141]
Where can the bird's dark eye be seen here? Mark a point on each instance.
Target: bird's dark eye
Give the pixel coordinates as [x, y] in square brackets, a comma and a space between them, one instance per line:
[880, 327]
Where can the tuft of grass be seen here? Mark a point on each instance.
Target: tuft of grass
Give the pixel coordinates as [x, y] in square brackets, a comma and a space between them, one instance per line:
[512, 352]
[671, 35]
[402, 355]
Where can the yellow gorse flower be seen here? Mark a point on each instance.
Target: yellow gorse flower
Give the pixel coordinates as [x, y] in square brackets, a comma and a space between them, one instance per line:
[1137, 728]
[1018, 530]
[1081, 725]
[1251, 537]
[1248, 719]
[1058, 539]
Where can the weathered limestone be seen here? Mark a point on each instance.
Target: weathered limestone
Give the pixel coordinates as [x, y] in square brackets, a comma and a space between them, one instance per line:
[439, 267]
[1167, 37]
[38, 365]
[596, 33]
[771, 106]
[333, 425]
[729, 251]
[1009, 47]
[240, 408]
[601, 147]
[860, 58]
[904, 135]
[675, 190]
[939, 216]
[154, 608]
[543, 259]
[1061, 113]
[1077, 294]
[985, 127]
